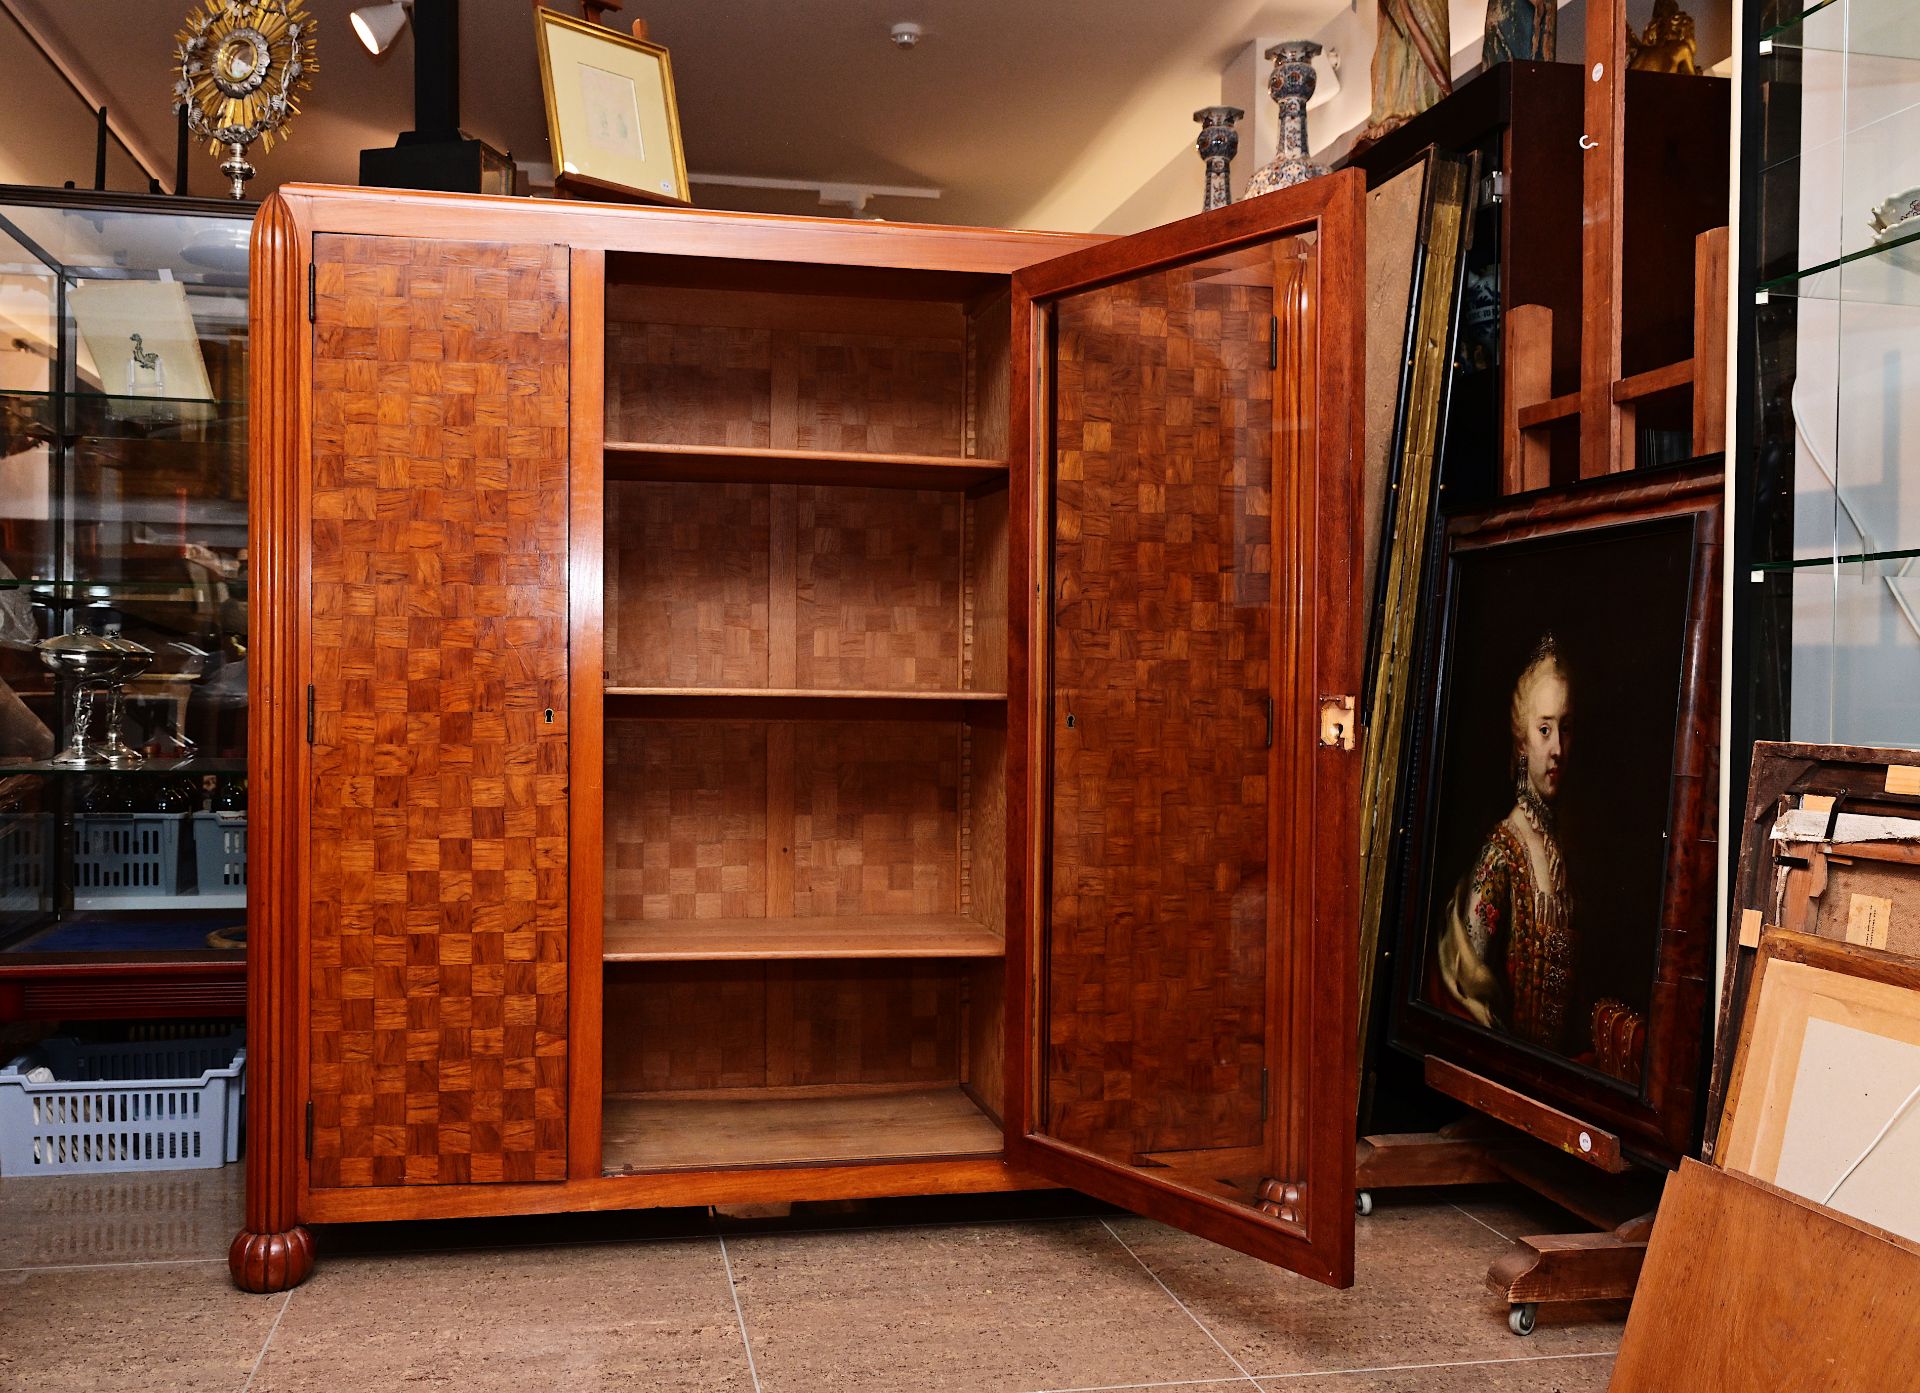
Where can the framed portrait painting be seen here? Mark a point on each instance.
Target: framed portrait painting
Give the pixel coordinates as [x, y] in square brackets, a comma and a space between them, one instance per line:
[612, 121]
[1556, 908]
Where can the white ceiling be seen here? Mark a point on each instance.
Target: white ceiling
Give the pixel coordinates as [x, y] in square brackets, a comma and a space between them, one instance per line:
[997, 105]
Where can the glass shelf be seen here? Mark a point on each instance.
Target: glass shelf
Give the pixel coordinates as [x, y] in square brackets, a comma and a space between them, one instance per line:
[1877, 28]
[198, 764]
[43, 416]
[84, 592]
[1808, 563]
[1885, 274]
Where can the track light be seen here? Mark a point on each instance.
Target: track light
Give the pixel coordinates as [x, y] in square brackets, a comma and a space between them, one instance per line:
[379, 25]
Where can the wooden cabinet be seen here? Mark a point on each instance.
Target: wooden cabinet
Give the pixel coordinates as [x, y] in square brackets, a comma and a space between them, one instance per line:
[763, 709]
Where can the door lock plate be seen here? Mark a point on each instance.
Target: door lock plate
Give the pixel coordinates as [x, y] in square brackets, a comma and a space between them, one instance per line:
[1336, 722]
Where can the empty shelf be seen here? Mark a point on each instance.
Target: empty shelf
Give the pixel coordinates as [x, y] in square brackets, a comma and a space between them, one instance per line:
[666, 1133]
[733, 940]
[629, 460]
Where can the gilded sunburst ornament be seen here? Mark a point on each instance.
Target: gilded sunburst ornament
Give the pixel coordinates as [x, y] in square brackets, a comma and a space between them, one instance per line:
[243, 65]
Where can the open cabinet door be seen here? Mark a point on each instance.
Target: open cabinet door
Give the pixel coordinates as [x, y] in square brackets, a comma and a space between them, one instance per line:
[1183, 766]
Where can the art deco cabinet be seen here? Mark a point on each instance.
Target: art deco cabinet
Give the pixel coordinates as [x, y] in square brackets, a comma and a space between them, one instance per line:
[753, 709]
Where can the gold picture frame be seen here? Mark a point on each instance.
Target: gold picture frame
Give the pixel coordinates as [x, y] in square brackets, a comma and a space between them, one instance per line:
[612, 120]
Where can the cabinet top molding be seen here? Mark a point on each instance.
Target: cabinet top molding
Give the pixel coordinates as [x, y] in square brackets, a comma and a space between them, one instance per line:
[668, 231]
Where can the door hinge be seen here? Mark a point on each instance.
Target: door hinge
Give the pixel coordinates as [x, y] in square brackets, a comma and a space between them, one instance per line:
[309, 1129]
[1269, 723]
[1273, 342]
[309, 713]
[313, 292]
[1266, 1095]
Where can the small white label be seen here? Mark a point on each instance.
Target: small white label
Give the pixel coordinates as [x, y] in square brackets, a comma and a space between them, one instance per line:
[1766, 47]
[1599, 69]
[1586, 1142]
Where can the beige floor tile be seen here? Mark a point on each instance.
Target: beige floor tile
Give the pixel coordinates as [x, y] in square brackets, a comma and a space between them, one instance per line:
[1419, 1296]
[159, 1216]
[1578, 1374]
[653, 1316]
[994, 1308]
[160, 1328]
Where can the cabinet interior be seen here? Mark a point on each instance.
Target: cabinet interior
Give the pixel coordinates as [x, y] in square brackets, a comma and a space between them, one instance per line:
[806, 667]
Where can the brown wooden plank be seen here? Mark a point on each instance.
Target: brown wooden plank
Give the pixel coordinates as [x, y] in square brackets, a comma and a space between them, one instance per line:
[271, 1252]
[1567, 1267]
[746, 705]
[1746, 1286]
[706, 235]
[586, 717]
[1545, 413]
[860, 936]
[1395, 1160]
[671, 1134]
[1529, 395]
[744, 1185]
[1603, 447]
[848, 703]
[1592, 1144]
[629, 460]
[1670, 378]
[1710, 272]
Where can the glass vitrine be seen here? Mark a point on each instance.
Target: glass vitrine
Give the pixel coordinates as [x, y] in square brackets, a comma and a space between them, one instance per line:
[123, 583]
[1829, 456]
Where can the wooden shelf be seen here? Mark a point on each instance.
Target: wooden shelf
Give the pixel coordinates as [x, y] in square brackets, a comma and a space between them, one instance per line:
[632, 460]
[667, 1133]
[753, 940]
[779, 703]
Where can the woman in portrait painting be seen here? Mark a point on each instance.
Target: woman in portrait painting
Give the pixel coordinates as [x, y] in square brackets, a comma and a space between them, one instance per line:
[1506, 949]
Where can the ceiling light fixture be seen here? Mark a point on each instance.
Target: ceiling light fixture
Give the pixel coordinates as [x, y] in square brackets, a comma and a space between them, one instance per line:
[906, 34]
[379, 25]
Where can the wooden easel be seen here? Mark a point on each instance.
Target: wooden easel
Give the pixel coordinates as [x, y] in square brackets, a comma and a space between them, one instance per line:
[1510, 1137]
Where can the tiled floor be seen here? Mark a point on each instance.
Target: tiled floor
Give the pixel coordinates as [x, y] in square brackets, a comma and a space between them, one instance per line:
[120, 1282]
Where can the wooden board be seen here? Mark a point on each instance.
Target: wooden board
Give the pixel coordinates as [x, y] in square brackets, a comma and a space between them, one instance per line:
[1748, 1287]
[865, 936]
[742, 464]
[437, 909]
[783, 388]
[700, 1026]
[732, 586]
[691, 1133]
[1829, 1049]
[1155, 940]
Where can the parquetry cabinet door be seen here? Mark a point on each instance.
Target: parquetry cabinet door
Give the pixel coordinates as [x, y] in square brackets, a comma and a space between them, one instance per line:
[436, 879]
[1183, 750]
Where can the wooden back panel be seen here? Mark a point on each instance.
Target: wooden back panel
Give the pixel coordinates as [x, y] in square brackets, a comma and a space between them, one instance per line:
[437, 914]
[1155, 951]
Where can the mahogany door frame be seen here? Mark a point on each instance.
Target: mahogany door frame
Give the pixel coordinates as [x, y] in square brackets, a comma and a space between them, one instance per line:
[1313, 877]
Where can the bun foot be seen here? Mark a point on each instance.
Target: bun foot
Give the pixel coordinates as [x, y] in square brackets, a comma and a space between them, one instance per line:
[264, 1262]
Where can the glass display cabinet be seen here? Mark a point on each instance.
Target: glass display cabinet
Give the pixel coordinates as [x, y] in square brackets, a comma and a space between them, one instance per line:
[1829, 457]
[123, 605]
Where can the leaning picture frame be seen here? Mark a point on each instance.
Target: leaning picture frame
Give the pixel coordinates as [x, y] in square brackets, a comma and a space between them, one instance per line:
[1555, 902]
[613, 124]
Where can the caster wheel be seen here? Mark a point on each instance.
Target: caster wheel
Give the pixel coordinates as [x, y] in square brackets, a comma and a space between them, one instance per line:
[1363, 1203]
[1520, 1319]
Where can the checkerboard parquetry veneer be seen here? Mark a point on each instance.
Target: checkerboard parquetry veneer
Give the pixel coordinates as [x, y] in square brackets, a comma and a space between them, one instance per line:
[754, 710]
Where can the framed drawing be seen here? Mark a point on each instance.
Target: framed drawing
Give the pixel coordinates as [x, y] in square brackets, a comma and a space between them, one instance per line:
[1826, 1076]
[1557, 889]
[612, 121]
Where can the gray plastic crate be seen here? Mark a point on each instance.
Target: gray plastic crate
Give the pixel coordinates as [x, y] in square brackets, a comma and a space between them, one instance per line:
[220, 852]
[26, 852]
[125, 856]
[123, 1107]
